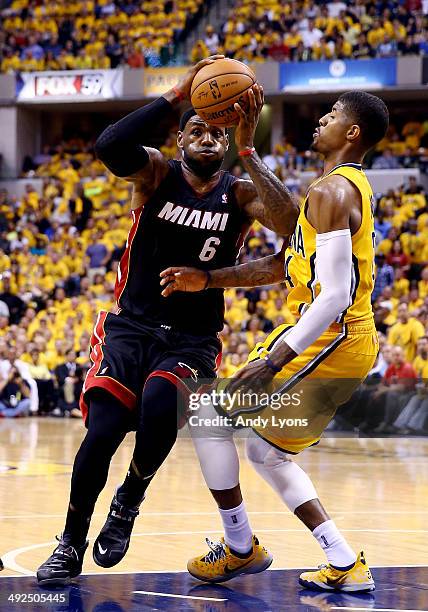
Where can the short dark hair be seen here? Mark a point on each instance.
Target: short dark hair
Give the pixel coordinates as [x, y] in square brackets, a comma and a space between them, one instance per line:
[369, 112]
[185, 118]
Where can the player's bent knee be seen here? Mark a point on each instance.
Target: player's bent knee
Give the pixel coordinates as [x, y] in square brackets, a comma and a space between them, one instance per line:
[260, 452]
[204, 422]
[288, 479]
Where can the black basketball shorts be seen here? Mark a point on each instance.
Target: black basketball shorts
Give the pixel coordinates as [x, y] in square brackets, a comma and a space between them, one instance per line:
[125, 352]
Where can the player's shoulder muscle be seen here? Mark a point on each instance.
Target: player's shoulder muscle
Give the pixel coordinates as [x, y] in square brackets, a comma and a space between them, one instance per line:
[147, 180]
[244, 190]
[248, 200]
[330, 203]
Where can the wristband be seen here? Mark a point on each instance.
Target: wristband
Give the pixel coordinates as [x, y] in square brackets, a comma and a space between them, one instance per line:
[247, 152]
[180, 95]
[270, 364]
[207, 282]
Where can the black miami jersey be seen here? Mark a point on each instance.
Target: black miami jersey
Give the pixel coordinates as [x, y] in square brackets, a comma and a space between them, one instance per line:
[179, 227]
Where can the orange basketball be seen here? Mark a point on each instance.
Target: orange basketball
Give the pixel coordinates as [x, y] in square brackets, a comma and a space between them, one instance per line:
[217, 87]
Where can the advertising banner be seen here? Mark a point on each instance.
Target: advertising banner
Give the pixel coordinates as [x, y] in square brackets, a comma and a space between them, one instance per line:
[69, 85]
[158, 80]
[338, 75]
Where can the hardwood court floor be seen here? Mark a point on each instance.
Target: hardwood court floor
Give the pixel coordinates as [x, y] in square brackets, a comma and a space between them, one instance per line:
[375, 489]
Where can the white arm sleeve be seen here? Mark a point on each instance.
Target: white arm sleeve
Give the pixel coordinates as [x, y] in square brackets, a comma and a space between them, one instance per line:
[334, 272]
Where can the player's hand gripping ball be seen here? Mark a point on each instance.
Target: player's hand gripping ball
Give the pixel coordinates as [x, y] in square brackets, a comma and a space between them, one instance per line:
[217, 87]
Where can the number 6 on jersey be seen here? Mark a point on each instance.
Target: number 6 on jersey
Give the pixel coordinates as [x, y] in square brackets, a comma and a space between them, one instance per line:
[208, 250]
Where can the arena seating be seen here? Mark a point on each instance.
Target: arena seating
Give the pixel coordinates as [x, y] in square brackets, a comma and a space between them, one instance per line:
[84, 34]
[260, 30]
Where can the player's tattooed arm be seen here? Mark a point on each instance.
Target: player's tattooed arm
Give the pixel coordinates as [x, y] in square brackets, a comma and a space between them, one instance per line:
[265, 197]
[264, 271]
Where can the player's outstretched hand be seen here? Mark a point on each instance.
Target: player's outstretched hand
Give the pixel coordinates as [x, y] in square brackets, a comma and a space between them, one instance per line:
[185, 83]
[254, 376]
[248, 120]
[183, 279]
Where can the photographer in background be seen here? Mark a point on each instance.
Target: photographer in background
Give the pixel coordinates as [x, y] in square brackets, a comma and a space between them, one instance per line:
[9, 358]
[69, 377]
[14, 395]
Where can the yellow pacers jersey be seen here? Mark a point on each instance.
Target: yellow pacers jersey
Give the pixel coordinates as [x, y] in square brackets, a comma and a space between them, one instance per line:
[300, 264]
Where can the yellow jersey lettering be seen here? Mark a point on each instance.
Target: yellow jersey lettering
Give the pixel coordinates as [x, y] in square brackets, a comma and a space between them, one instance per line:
[297, 241]
[287, 276]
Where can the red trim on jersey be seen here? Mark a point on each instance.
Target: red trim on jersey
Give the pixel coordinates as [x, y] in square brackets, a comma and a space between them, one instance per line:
[173, 378]
[92, 380]
[121, 393]
[123, 269]
[218, 359]
[83, 407]
[97, 340]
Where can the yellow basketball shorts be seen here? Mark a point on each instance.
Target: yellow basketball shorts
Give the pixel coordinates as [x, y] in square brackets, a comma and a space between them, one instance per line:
[311, 387]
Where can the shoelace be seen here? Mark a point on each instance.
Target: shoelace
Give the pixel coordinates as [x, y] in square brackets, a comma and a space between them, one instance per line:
[217, 552]
[121, 517]
[66, 552]
[123, 512]
[324, 569]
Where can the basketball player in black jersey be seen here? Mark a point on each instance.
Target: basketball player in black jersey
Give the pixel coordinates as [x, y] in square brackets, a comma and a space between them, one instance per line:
[152, 350]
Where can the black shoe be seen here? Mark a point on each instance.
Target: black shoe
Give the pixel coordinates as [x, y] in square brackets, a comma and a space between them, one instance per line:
[64, 564]
[113, 541]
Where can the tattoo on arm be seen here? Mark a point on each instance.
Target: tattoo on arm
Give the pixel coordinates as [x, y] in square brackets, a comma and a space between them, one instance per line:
[264, 271]
[279, 205]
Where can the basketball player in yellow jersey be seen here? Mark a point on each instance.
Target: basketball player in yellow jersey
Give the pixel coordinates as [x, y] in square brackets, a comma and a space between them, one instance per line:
[329, 269]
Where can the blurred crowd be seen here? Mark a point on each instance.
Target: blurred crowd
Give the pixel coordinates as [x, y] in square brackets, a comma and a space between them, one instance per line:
[59, 252]
[402, 147]
[260, 30]
[84, 34]
[100, 34]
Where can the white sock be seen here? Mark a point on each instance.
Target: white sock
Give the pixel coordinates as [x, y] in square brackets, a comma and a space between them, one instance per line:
[237, 530]
[337, 550]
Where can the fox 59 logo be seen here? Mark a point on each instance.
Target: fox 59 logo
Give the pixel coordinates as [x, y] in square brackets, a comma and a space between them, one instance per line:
[69, 85]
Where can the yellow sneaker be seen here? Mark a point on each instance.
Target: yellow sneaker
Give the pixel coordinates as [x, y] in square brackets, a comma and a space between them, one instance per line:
[358, 579]
[220, 564]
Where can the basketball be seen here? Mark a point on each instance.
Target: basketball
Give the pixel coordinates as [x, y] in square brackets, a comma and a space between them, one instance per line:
[217, 87]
